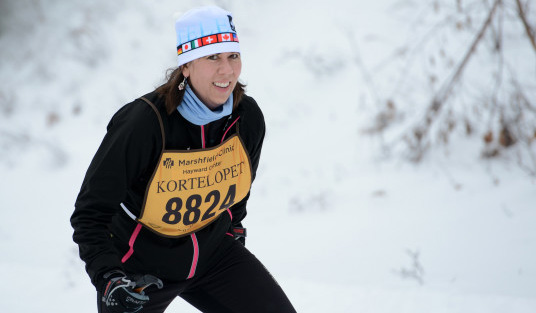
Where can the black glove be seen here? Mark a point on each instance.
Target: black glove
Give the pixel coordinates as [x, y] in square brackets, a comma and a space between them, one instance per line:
[125, 295]
[240, 234]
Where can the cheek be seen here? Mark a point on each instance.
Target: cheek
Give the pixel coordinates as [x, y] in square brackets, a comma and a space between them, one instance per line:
[238, 68]
[199, 79]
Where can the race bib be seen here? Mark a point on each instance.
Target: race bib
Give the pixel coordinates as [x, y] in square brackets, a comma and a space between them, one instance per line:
[190, 189]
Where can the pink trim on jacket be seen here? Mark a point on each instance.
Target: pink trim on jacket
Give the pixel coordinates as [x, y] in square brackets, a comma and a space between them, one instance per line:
[133, 237]
[203, 136]
[222, 138]
[196, 256]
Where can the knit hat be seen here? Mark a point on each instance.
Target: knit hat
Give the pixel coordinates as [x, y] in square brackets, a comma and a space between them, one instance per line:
[204, 31]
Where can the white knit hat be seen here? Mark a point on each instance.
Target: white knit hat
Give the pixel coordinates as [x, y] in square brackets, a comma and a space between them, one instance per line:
[204, 31]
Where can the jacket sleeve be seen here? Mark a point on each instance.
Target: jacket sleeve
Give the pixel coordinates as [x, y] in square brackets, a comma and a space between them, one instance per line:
[131, 144]
[252, 129]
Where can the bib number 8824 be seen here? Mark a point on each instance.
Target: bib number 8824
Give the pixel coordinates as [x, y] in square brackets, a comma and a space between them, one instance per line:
[193, 203]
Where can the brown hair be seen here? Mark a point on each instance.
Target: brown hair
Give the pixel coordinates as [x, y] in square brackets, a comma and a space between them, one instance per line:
[173, 96]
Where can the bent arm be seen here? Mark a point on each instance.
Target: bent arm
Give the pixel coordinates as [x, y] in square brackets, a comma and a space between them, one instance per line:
[126, 151]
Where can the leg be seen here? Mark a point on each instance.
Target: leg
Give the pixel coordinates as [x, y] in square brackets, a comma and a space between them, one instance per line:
[238, 283]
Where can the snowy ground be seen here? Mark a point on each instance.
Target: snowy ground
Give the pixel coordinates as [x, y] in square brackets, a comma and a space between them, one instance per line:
[342, 228]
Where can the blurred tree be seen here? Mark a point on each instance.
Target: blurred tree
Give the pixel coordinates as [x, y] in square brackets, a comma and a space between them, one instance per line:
[478, 58]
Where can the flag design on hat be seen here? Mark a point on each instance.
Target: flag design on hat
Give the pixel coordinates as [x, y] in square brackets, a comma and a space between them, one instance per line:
[186, 47]
[225, 37]
[205, 41]
[196, 43]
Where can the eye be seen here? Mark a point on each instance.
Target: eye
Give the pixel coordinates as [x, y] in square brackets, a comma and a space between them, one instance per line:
[235, 56]
[213, 57]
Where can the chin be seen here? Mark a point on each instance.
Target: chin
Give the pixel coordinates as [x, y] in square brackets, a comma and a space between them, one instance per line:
[222, 99]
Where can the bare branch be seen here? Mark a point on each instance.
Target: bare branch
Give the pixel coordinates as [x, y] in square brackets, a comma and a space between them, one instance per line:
[367, 78]
[419, 133]
[528, 29]
[444, 92]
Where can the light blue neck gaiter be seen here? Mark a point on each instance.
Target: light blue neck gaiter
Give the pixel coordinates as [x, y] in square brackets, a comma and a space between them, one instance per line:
[196, 112]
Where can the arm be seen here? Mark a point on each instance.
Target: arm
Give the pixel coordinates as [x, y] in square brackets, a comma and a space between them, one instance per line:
[128, 148]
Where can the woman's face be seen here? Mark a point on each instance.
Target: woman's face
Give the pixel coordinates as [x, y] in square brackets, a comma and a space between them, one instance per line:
[214, 77]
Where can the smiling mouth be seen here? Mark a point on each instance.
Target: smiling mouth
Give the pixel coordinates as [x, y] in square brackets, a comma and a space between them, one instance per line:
[222, 85]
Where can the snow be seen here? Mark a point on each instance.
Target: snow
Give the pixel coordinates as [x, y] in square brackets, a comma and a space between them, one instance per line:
[341, 226]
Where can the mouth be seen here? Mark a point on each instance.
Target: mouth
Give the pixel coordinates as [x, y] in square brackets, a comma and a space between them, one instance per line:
[221, 84]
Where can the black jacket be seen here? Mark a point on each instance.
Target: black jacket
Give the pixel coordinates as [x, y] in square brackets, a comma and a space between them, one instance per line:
[119, 173]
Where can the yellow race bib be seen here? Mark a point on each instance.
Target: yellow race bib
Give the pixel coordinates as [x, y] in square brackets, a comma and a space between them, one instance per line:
[190, 189]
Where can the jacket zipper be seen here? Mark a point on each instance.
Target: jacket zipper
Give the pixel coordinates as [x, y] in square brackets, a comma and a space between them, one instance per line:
[222, 139]
[195, 243]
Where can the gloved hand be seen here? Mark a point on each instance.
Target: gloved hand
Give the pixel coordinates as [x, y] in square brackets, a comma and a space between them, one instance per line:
[125, 295]
[240, 234]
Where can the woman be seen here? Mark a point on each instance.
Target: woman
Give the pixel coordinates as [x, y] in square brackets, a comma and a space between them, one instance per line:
[160, 209]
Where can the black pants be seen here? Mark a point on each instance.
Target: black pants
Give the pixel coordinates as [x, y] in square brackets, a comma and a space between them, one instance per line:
[238, 283]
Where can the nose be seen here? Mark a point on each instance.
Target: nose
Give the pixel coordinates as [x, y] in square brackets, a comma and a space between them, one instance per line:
[225, 67]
